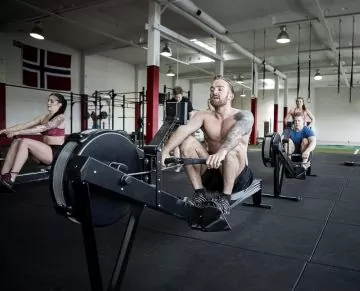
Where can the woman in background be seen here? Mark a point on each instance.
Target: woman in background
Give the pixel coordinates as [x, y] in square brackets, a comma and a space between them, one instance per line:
[50, 125]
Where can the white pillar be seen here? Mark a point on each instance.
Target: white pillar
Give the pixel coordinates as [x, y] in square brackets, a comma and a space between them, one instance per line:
[153, 51]
[219, 65]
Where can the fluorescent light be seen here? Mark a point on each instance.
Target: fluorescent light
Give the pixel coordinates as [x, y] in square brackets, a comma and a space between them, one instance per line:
[267, 84]
[203, 45]
[200, 59]
[268, 81]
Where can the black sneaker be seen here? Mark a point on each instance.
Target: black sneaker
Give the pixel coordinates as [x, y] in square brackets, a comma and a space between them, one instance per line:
[199, 199]
[6, 182]
[223, 204]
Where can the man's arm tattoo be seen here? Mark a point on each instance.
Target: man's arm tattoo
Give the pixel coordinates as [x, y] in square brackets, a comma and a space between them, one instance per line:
[243, 125]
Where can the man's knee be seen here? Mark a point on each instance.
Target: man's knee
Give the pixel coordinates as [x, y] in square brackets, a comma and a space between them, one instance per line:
[289, 147]
[235, 160]
[304, 143]
[188, 145]
[233, 157]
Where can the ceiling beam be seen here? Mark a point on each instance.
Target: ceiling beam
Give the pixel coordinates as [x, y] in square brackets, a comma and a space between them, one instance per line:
[178, 38]
[330, 40]
[225, 39]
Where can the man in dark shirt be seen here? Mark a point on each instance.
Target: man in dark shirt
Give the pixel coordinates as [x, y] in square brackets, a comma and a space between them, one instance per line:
[178, 97]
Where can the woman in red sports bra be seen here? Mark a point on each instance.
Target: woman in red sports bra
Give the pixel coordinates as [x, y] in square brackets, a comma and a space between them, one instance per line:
[51, 126]
[300, 107]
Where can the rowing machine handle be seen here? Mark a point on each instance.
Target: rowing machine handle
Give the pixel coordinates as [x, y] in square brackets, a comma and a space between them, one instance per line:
[184, 161]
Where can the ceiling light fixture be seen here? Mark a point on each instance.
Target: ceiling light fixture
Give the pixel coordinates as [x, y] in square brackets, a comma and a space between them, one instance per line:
[241, 80]
[170, 72]
[283, 36]
[37, 32]
[242, 93]
[318, 75]
[166, 51]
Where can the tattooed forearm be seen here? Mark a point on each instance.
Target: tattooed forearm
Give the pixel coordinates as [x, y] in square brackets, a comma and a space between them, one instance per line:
[243, 125]
[41, 128]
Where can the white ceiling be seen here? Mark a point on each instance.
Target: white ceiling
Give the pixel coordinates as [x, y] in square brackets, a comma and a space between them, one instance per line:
[110, 27]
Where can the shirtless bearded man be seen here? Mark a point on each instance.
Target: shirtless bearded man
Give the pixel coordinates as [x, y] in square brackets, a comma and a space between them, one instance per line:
[226, 131]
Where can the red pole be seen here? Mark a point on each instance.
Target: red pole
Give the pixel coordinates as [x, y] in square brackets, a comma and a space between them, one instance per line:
[253, 135]
[152, 102]
[276, 117]
[2, 106]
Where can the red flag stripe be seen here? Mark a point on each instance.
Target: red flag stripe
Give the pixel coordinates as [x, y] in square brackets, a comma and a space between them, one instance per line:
[30, 53]
[58, 60]
[30, 78]
[56, 82]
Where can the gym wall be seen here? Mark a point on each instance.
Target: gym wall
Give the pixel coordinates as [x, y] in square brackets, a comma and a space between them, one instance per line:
[23, 104]
[200, 95]
[337, 120]
[101, 73]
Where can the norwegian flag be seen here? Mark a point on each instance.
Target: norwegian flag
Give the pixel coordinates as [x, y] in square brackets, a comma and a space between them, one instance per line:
[45, 69]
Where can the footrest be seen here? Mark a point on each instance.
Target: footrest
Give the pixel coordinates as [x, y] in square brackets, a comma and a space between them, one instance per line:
[32, 177]
[212, 220]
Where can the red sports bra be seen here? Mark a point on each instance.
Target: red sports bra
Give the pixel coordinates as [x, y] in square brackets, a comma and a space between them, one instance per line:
[54, 132]
[303, 112]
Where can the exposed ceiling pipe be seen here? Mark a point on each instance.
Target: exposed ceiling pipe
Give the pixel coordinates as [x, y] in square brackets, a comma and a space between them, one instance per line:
[225, 39]
[195, 11]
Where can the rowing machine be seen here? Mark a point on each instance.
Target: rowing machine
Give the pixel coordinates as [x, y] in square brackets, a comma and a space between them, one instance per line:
[100, 176]
[274, 155]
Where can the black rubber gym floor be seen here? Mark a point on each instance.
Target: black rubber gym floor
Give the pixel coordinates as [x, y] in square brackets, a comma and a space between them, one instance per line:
[308, 245]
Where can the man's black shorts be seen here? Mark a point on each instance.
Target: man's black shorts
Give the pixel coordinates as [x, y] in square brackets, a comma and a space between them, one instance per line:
[213, 181]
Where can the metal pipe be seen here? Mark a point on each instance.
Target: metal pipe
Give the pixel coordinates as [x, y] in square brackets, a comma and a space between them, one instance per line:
[191, 8]
[224, 39]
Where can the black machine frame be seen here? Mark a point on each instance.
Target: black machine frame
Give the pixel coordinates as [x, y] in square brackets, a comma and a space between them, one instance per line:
[290, 166]
[139, 193]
